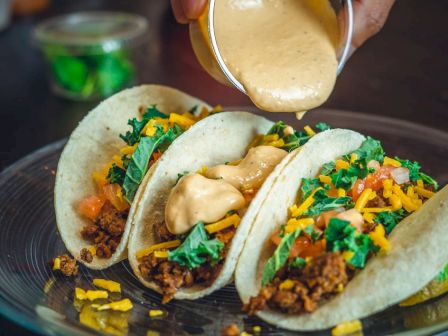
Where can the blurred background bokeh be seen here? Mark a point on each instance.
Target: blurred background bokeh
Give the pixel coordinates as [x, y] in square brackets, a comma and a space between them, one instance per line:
[401, 73]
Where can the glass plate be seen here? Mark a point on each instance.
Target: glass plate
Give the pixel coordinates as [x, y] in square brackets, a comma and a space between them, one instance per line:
[32, 296]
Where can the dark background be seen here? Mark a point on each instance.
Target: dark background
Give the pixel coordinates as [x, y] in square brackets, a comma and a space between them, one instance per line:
[401, 73]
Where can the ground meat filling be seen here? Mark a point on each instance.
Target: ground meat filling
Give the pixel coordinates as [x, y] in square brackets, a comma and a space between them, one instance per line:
[170, 276]
[322, 277]
[67, 265]
[106, 231]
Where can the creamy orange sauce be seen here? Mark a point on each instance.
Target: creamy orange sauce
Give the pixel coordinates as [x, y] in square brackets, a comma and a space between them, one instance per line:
[282, 51]
[196, 198]
[252, 171]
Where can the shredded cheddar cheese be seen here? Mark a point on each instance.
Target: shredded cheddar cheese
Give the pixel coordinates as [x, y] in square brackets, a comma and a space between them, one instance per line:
[378, 237]
[353, 158]
[109, 285]
[369, 217]
[279, 143]
[122, 305]
[181, 120]
[287, 284]
[363, 199]
[347, 255]
[420, 184]
[156, 313]
[161, 254]
[165, 245]
[346, 328]
[309, 131]
[423, 192]
[90, 295]
[232, 220]
[256, 329]
[325, 179]
[341, 192]
[203, 170]
[56, 264]
[128, 150]
[391, 162]
[376, 210]
[270, 138]
[395, 202]
[294, 224]
[341, 164]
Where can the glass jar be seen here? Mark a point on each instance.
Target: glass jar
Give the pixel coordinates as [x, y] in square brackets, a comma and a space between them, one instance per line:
[90, 55]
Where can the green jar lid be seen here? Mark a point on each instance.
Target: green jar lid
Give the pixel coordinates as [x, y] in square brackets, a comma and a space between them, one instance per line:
[91, 32]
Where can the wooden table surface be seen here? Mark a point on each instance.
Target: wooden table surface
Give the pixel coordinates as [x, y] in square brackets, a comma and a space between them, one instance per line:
[401, 73]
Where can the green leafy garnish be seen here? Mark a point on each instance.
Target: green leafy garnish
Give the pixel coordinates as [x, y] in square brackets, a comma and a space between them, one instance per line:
[328, 167]
[346, 178]
[132, 137]
[429, 180]
[279, 258]
[308, 186]
[443, 275]
[297, 263]
[322, 126]
[196, 248]
[116, 174]
[323, 203]
[341, 236]
[390, 219]
[370, 149]
[138, 165]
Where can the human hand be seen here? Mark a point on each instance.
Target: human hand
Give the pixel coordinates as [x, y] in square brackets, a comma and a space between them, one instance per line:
[369, 16]
[188, 10]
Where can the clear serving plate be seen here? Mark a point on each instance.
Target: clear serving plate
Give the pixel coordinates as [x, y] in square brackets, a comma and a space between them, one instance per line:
[32, 296]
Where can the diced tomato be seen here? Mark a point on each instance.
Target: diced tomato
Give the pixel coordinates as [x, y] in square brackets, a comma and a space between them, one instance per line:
[112, 192]
[313, 250]
[300, 244]
[373, 181]
[90, 207]
[275, 238]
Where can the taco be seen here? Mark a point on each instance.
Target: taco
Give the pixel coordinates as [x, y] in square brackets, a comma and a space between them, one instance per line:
[104, 164]
[344, 232]
[196, 211]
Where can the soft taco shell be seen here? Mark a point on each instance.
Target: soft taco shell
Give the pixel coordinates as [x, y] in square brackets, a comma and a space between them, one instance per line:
[417, 245]
[217, 139]
[92, 145]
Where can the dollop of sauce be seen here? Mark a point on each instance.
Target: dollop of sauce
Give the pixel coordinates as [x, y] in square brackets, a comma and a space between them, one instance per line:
[282, 51]
[197, 198]
[252, 171]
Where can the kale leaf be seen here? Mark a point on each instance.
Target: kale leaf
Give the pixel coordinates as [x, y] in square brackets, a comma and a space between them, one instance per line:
[323, 203]
[279, 258]
[370, 149]
[308, 186]
[116, 174]
[341, 236]
[297, 263]
[443, 275]
[322, 126]
[390, 219]
[328, 168]
[138, 166]
[345, 178]
[196, 248]
[132, 137]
